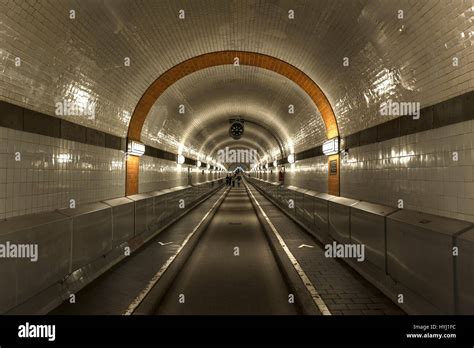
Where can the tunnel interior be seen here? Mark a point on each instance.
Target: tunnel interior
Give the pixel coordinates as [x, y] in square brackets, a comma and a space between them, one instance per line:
[249, 157]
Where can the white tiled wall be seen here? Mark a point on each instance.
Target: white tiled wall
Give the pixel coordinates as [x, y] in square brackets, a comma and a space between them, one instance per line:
[158, 174]
[53, 171]
[197, 175]
[310, 174]
[419, 169]
[270, 175]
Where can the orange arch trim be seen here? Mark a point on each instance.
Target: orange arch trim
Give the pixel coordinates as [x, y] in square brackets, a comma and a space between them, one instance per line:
[158, 87]
[208, 60]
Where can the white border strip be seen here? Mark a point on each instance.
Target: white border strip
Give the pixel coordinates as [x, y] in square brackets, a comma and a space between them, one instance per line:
[139, 299]
[309, 286]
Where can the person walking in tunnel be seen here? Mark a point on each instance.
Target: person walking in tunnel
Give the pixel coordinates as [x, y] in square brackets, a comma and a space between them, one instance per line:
[281, 175]
[238, 180]
[233, 180]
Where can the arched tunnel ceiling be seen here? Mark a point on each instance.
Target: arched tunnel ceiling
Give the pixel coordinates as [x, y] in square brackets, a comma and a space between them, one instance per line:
[252, 137]
[82, 60]
[213, 96]
[243, 155]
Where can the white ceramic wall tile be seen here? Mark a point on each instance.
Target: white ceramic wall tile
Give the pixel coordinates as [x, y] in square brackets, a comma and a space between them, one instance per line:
[310, 173]
[203, 174]
[53, 171]
[158, 174]
[421, 171]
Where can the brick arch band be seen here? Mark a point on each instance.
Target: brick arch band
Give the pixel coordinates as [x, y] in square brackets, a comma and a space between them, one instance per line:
[208, 60]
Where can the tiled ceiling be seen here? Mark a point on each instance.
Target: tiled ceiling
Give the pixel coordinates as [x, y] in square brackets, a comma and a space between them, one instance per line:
[213, 96]
[82, 60]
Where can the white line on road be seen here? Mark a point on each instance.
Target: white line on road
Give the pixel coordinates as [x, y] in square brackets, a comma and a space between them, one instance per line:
[309, 286]
[305, 246]
[139, 299]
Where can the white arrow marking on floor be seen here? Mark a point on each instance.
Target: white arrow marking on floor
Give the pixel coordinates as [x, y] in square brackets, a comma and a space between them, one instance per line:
[165, 243]
[305, 245]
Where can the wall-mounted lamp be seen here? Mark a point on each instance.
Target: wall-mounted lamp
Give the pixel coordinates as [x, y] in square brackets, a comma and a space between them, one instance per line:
[198, 163]
[331, 147]
[275, 163]
[291, 158]
[135, 148]
[180, 159]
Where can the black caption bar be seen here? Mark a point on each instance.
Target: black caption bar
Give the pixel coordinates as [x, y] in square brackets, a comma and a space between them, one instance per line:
[44, 331]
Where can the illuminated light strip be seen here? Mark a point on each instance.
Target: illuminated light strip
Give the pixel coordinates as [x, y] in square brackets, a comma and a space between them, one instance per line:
[139, 299]
[309, 286]
[331, 147]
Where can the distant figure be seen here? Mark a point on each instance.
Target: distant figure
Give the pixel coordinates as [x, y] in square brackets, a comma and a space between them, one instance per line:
[233, 181]
[281, 175]
[227, 180]
[238, 180]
